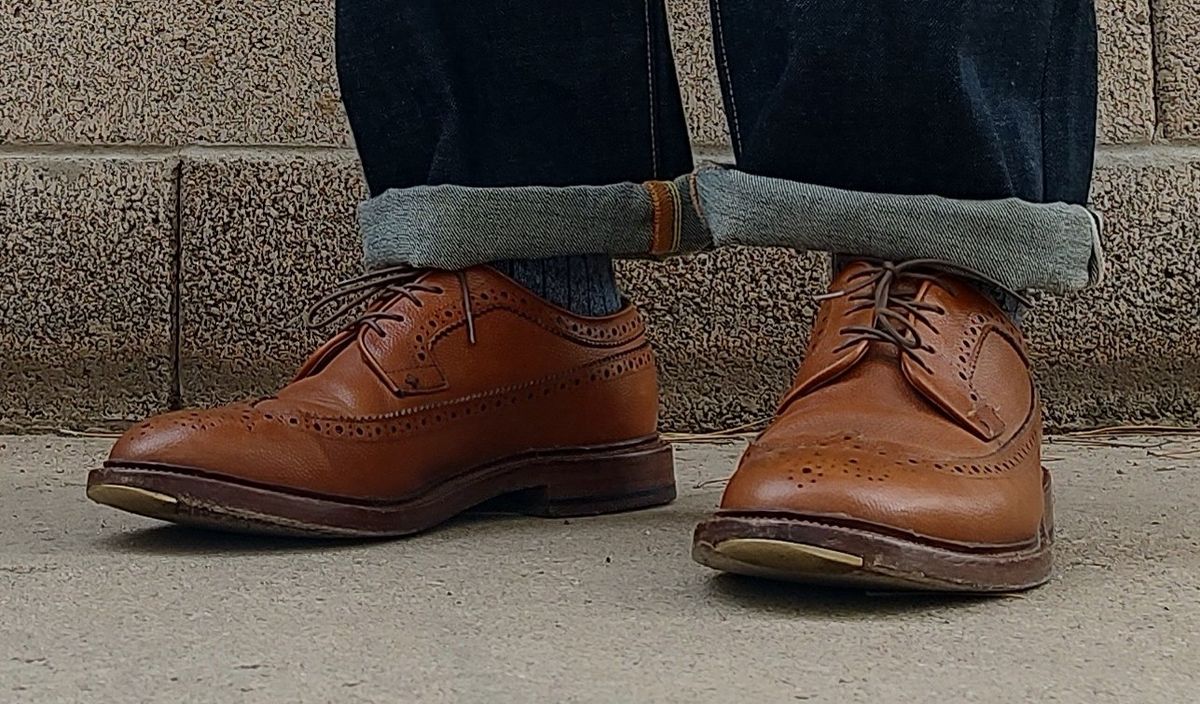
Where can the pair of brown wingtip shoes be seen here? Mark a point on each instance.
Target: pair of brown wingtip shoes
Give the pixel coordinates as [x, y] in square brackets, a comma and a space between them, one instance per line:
[905, 455]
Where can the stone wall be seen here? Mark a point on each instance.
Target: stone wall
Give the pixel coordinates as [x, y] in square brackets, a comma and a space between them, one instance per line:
[176, 183]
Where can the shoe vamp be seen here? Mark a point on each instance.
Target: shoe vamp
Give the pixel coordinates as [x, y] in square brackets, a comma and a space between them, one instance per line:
[353, 385]
[875, 405]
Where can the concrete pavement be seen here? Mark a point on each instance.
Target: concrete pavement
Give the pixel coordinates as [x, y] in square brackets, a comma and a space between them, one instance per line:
[97, 606]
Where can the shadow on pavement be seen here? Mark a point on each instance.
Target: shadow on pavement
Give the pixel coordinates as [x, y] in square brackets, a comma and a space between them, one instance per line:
[182, 540]
[786, 598]
[186, 540]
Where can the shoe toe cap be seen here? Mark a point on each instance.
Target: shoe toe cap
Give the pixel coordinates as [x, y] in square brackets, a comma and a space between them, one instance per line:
[873, 488]
[260, 446]
[183, 438]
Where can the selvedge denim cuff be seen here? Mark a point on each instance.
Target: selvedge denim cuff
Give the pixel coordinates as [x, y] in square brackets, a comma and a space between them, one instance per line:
[1047, 246]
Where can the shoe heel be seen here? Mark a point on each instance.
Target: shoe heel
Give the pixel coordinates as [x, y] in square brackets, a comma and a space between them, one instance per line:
[604, 482]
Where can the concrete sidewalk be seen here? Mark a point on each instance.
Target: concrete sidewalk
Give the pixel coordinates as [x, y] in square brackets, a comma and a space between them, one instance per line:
[97, 606]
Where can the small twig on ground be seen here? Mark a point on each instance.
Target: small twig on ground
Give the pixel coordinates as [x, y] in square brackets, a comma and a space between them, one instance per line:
[89, 433]
[1179, 454]
[1104, 442]
[1132, 430]
[735, 433]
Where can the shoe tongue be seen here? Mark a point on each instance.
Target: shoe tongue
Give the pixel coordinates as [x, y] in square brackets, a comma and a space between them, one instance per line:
[828, 357]
[945, 376]
[341, 341]
[401, 357]
[340, 371]
[944, 385]
[361, 373]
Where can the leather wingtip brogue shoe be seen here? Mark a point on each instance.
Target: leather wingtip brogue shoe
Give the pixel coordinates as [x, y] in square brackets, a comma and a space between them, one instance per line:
[906, 454]
[451, 389]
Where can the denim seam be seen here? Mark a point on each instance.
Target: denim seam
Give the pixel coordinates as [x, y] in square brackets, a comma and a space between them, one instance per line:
[733, 113]
[650, 88]
[1042, 95]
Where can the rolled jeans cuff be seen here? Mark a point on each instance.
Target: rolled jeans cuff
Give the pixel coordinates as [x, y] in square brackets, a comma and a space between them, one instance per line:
[1045, 246]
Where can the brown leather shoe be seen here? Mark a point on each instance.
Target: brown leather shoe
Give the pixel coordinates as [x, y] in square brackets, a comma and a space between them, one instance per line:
[450, 390]
[907, 454]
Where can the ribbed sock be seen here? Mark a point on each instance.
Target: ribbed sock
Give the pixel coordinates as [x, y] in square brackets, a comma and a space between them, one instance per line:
[1007, 303]
[584, 285]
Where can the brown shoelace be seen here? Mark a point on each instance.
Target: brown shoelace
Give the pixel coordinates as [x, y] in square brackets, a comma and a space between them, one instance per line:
[375, 289]
[895, 314]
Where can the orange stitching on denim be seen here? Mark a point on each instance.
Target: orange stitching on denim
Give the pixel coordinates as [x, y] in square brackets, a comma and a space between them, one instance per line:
[676, 216]
[664, 217]
[654, 214]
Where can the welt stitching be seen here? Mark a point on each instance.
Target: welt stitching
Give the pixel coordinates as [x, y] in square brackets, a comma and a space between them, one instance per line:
[256, 517]
[861, 531]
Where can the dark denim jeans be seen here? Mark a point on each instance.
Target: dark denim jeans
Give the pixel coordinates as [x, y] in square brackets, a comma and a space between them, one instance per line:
[961, 98]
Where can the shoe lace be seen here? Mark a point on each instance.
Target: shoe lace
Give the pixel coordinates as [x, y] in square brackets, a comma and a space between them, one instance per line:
[375, 288]
[895, 314]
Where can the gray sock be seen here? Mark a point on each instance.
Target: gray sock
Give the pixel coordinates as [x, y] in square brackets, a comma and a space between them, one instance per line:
[584, 285]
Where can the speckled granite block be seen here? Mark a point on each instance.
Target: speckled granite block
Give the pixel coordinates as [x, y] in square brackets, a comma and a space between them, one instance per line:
[263, 236]
[169, 72]
[1177, 31]
[85, 289]
[1129, 350]
[692, 36]
[729, 328]
[1126, 110]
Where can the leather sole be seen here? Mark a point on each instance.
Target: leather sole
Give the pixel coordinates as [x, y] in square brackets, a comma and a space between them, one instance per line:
[576, 482]
[820, 551]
